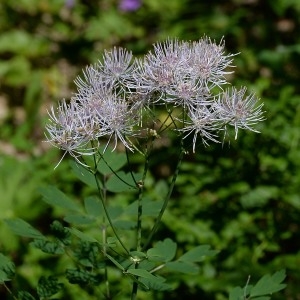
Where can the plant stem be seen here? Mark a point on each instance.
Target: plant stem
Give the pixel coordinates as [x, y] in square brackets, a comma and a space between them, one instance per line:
[104, 238]
[165, 204]
[140, 214]
[101, 196]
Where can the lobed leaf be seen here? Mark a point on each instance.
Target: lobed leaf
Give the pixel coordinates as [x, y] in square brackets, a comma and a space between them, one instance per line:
[269, 284]
[197, 254]
[236, 294]
[163, 251]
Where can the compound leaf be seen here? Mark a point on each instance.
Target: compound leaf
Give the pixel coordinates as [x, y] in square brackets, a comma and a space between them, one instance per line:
[269, 284]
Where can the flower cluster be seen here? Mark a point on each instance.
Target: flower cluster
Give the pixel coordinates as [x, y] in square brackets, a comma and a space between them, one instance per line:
[114, 93]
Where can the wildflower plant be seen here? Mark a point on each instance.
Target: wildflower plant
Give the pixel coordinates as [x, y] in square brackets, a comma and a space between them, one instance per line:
[121, 108]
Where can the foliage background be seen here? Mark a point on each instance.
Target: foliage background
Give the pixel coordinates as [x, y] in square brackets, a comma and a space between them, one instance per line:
[243, 199]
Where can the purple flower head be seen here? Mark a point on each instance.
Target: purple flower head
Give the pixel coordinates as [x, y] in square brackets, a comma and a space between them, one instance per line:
[70, 3]
[129, 5]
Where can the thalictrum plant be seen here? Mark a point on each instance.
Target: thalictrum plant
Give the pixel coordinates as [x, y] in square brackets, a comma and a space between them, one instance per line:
[122, 107]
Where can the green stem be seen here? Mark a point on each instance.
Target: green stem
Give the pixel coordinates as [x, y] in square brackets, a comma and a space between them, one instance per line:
[101, 194]
[104, 239]
[140, 214]
[166, 201]
[108, 217]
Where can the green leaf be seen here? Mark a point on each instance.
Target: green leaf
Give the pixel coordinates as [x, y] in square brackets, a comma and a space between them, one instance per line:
[7, 269]
[93, 207]
[55, 197]
[150, 208]
[48, 246]
[115, 262]
[236, 294]
[197, 254]
[183, 267]
[163, 251]
[82, 236]
[23, 295]
[145, 274]
[269, 284]
[20, 227]
[111, 162]
[121, 182]
[155, 284]
[114, 211]
[47, 287]
[124, 224]
[61, 233]
[138, 254]
[83, 174]
[77, 219]
[80, 276]
[87, 253]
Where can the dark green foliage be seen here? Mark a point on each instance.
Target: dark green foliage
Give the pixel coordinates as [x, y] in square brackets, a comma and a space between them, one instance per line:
[48, 287]
[62, 234]
[22, 295]
[48, 246]
[82, 277]
[262, 290]
[7, 269]
[241, 199]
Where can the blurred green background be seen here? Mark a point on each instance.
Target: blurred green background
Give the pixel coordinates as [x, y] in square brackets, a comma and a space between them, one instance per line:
[243, 199]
